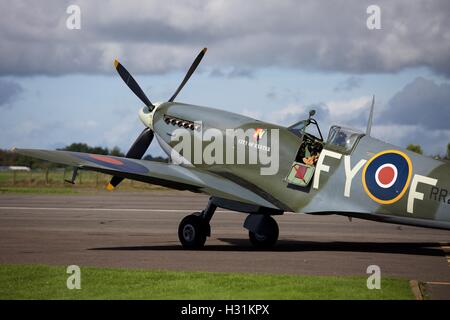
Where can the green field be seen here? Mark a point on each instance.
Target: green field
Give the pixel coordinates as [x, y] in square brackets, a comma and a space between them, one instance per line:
[49, 282]
[52, 181]
[41, 190]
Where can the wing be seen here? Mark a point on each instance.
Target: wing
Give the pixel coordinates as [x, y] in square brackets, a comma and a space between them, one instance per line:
[164, 174]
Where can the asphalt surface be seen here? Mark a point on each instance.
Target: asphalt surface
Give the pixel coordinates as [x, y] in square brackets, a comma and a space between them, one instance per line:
[139, 230]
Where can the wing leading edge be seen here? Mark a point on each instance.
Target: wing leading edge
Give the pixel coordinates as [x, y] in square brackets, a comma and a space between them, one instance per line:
[164, 174]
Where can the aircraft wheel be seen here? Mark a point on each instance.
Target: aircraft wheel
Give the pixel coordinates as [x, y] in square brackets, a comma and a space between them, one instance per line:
[268, 238]
[192, 231]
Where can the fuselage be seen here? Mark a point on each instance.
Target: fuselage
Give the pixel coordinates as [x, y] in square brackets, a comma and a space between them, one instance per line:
[342, 180]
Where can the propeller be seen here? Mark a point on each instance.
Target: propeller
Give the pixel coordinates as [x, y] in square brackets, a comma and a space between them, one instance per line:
[136, 151]
[132, 84]
[143, 141]
[189, 73]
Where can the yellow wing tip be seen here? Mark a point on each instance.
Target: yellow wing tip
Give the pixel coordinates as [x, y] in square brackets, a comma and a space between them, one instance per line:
[110, 187]
[116, 63]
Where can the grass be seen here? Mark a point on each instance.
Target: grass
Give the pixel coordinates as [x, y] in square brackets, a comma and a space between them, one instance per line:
[39, 190]
[38, 181]
[49, 282]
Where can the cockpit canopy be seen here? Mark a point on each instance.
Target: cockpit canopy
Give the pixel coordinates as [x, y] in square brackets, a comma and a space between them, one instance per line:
[308, 126]
[340, 139]
[343, 139]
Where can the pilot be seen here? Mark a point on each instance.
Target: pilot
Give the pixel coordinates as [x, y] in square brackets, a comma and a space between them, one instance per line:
[311, 160]
[341, 139]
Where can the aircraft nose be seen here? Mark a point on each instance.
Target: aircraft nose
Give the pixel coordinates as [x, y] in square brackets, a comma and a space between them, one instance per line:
[146, 116]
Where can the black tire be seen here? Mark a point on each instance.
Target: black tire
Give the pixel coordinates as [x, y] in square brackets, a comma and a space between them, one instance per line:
[268, 238]
[192, 231]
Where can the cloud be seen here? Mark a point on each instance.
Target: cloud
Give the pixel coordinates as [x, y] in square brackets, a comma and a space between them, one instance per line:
[351, 113]
[293, 113]
[433, 142]
[9, 91]
[419, 113]
[280, 93]
[348, 84]
[160, 36]
[422, 102]
[348, 113]
[349, 110]
[232, 73]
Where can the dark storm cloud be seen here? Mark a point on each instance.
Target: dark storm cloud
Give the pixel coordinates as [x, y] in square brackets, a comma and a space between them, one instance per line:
[422, 102]
[9, 91]
[159, 36]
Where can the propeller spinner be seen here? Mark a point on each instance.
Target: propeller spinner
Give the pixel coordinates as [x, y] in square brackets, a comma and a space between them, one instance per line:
[141, 144]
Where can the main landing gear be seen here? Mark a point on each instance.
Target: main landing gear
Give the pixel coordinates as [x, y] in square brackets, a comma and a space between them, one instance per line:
[266, 235]
[194, 228]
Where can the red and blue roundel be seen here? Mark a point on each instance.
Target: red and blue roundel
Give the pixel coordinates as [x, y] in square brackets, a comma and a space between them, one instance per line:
[386, 176]
[119, 164]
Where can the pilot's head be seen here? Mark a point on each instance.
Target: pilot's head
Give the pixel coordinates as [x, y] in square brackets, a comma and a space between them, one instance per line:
[341, 138]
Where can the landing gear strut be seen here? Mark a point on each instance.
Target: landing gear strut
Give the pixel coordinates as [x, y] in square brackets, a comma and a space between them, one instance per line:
[194, 228]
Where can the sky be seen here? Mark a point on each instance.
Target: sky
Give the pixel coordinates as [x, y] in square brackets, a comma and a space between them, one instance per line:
[272, 60]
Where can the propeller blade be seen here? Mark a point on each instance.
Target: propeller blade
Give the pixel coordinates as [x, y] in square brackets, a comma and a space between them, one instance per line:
[141, 144]
[189, 73]
[136, 151]
[132, 84]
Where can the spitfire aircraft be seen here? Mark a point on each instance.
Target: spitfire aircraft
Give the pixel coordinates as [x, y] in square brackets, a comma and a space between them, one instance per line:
[349, 173]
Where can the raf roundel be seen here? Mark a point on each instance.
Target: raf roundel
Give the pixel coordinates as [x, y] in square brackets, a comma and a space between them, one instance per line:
[118, 164]
[386, 176]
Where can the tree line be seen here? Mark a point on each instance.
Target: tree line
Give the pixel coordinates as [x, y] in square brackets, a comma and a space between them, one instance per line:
[418, 149]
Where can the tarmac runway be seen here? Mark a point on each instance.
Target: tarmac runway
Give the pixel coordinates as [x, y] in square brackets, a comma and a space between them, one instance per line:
[139, 230]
